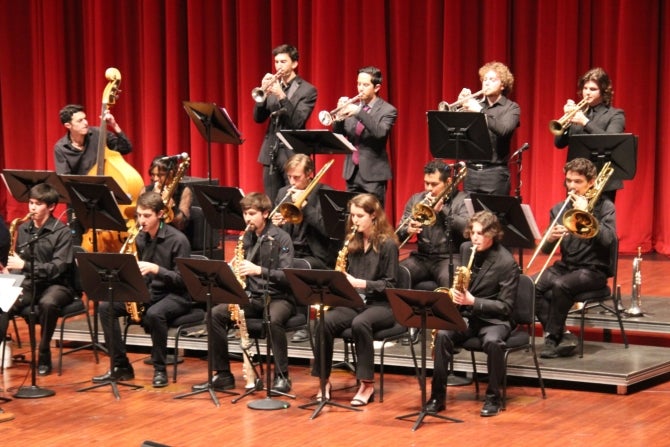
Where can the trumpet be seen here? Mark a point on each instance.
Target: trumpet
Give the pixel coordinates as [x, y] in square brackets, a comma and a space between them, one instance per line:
[560, 125]
[423, 211]
[260, 93]
[457, 106]
[292, 212]
[579, 223]
[327, 118]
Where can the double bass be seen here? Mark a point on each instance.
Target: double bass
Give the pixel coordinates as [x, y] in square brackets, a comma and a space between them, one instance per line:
[111, 163]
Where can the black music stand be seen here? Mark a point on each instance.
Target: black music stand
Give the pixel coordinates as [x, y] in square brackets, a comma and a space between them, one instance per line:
[323, 288]
[335, 212]
[210, 282]
[312, 142]
[112, 277]
[20, 182]
[427, 310]
[516, 219]
[619, 148]
[221, 207]
[215, 125]
[459, 135]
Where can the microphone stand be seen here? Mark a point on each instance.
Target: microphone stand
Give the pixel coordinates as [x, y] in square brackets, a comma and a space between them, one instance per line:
[268, 403]
[33, 391]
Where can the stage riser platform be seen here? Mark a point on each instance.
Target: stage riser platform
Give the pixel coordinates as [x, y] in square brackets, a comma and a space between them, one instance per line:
[604, 364]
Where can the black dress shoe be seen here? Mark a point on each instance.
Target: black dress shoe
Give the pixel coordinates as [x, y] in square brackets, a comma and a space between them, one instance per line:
[117, 374]
[549, 351]
[300, 336]
[435, 405]
[492, 406]
[160, 379]
[281, 384]
[220, 381]
[43, 370]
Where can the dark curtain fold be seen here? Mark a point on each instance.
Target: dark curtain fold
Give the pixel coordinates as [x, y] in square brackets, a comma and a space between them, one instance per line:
[54, 52]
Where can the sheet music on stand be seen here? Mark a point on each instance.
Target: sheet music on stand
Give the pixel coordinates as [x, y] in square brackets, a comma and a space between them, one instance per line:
[10, 290]
[517, 219]
[320, 141]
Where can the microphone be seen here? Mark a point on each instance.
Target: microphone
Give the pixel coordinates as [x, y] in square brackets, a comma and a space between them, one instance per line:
[523, 148]
[174, 157]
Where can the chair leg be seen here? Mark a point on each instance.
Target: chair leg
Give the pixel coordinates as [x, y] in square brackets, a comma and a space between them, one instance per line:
[581, 330]
[16, 333]
[617, 301]
[474, 373]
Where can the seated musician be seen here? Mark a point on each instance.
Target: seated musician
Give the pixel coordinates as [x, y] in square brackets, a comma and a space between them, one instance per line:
[158, 246]
[266, 250]
[430, 261]
[371, 267]
[52, 264]
[162, 173]
[584, 263]
[490, 296]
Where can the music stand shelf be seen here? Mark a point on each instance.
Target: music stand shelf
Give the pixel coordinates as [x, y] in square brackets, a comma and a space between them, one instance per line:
[459, 135]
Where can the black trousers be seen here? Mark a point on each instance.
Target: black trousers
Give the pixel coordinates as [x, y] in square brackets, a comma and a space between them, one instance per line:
[156, 322]
[426, 268]
[364, 322]
[492, 337]
[49, 304]
[280, 311]
[358, 185]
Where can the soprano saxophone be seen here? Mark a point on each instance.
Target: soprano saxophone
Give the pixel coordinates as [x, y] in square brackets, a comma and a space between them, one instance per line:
[237, 314]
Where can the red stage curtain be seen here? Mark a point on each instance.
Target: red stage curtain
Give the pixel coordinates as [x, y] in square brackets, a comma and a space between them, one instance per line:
[54, 52]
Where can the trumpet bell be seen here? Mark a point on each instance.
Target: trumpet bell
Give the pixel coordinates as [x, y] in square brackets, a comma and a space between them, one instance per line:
[291, 213]
[556, 127]
[325, 118]
[581, 224]
[258, 94]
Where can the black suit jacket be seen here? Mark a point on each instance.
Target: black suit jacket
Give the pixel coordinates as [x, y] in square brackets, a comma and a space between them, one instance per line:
[604, 119]
[373, 160]
[292, 113]
[494, 285]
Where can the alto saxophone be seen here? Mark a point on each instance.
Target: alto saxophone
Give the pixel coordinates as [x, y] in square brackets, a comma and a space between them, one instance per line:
[237, 315]
[461, 283]
[135, 310]
[340, 262]
[13, 229]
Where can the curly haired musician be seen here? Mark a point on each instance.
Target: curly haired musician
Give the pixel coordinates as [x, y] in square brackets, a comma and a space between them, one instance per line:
[162, 172]
[372, 266]
[267, 249]
[490, 296]
[53, 263]
[431, 259]
[598, 117]
[158, 246]
[584, 263]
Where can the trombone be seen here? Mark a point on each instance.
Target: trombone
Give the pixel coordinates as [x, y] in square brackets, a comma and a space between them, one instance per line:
[457, 106]
[292, 212]
[560, 125]
[327, 118]
[423, 211]
[260, 93]
[579, 223]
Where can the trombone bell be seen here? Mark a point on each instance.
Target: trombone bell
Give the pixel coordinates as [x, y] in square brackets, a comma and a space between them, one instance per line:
[581, 224]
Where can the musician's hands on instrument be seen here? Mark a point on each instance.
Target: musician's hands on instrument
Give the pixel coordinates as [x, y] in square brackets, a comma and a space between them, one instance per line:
[248, 268]
[111, 121]
[557, 232]
[580, 202]
[278, 219]
[471, 105]
[357, 283]
[347, 111]
[414, 227]
[147, 268]
[439, 205]
[462, 298]
[272, 86]
[579, 117]
[15, 263]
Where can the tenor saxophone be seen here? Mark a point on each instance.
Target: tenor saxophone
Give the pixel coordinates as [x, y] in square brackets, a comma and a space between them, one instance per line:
[461, 283]
[13, 229]
[237, 314]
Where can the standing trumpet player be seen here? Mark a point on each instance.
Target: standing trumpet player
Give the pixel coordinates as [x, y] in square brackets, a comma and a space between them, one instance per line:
[502, 119]
[597, 116]
[489, 297]
[367, 124]
[584, 263]
[435, 243]
[287, 100]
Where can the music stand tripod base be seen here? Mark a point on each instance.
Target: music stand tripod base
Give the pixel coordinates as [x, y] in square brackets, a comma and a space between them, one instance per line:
[115, 387]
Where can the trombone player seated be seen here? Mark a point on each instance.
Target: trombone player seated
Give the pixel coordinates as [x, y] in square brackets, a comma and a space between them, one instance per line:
[585, 234]
[438, 218]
